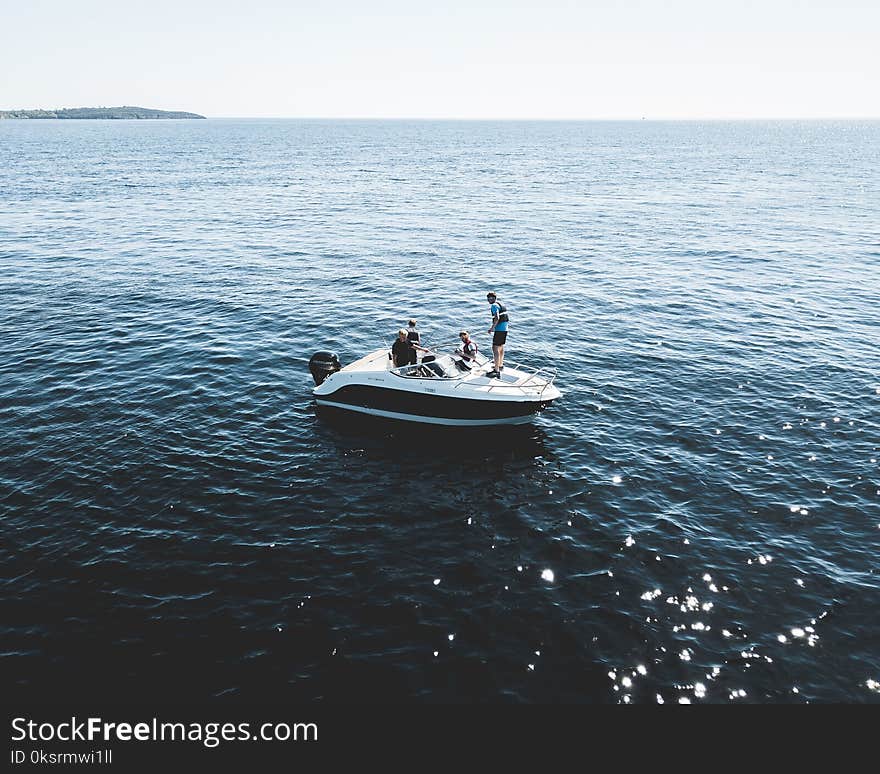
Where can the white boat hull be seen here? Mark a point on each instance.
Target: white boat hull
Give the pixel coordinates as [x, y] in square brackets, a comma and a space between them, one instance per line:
[442, 392]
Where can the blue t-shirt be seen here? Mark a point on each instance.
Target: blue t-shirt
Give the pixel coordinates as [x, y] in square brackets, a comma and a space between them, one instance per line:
[496, 309]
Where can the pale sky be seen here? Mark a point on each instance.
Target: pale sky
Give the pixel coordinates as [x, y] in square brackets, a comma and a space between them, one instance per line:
[548, 59]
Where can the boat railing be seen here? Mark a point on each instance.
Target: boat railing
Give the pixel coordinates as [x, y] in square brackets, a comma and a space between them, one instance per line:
[541, 377]
[534, 376]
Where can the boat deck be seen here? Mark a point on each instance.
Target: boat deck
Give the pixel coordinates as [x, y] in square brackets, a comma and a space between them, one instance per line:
[530, 382]
[375, 361]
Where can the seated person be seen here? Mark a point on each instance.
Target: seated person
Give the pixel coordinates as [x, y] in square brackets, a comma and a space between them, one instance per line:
[467, 351]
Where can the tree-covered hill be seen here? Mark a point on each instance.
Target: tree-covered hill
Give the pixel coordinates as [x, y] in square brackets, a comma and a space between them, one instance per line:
[100, 112]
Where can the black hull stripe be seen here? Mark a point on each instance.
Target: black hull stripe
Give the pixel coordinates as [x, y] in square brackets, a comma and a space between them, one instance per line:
[423, 404]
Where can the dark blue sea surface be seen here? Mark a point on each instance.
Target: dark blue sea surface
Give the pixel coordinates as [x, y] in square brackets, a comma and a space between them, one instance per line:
[698, 519]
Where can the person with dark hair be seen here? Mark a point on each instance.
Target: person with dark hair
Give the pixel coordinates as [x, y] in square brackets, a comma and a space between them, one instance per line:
[467, 351]
[500, 320]
[414, 337]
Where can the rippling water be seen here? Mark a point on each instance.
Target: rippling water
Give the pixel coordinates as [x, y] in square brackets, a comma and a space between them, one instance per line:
[697, 520]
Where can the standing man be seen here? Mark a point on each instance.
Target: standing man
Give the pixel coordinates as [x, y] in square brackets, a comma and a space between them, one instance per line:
[403, 351]
[415, 337]
[499, 328]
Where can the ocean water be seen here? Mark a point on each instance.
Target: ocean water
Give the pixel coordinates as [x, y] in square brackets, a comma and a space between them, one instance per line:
[698, 519]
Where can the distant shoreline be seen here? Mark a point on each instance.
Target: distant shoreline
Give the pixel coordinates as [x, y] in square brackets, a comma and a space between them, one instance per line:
[125, 112]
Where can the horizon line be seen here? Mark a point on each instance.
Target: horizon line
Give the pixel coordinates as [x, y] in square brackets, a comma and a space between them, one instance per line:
[554, 119]
[520, 119]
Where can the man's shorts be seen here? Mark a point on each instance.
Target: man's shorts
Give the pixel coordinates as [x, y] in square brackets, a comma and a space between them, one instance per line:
[499, 338]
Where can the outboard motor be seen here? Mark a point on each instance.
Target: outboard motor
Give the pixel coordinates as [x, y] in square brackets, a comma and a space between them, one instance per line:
[322, 365]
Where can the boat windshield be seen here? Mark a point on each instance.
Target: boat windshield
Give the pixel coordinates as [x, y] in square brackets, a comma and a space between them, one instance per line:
[442, 367]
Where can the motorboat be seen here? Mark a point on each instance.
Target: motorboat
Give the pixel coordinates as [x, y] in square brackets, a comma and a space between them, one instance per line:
[442, 388]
